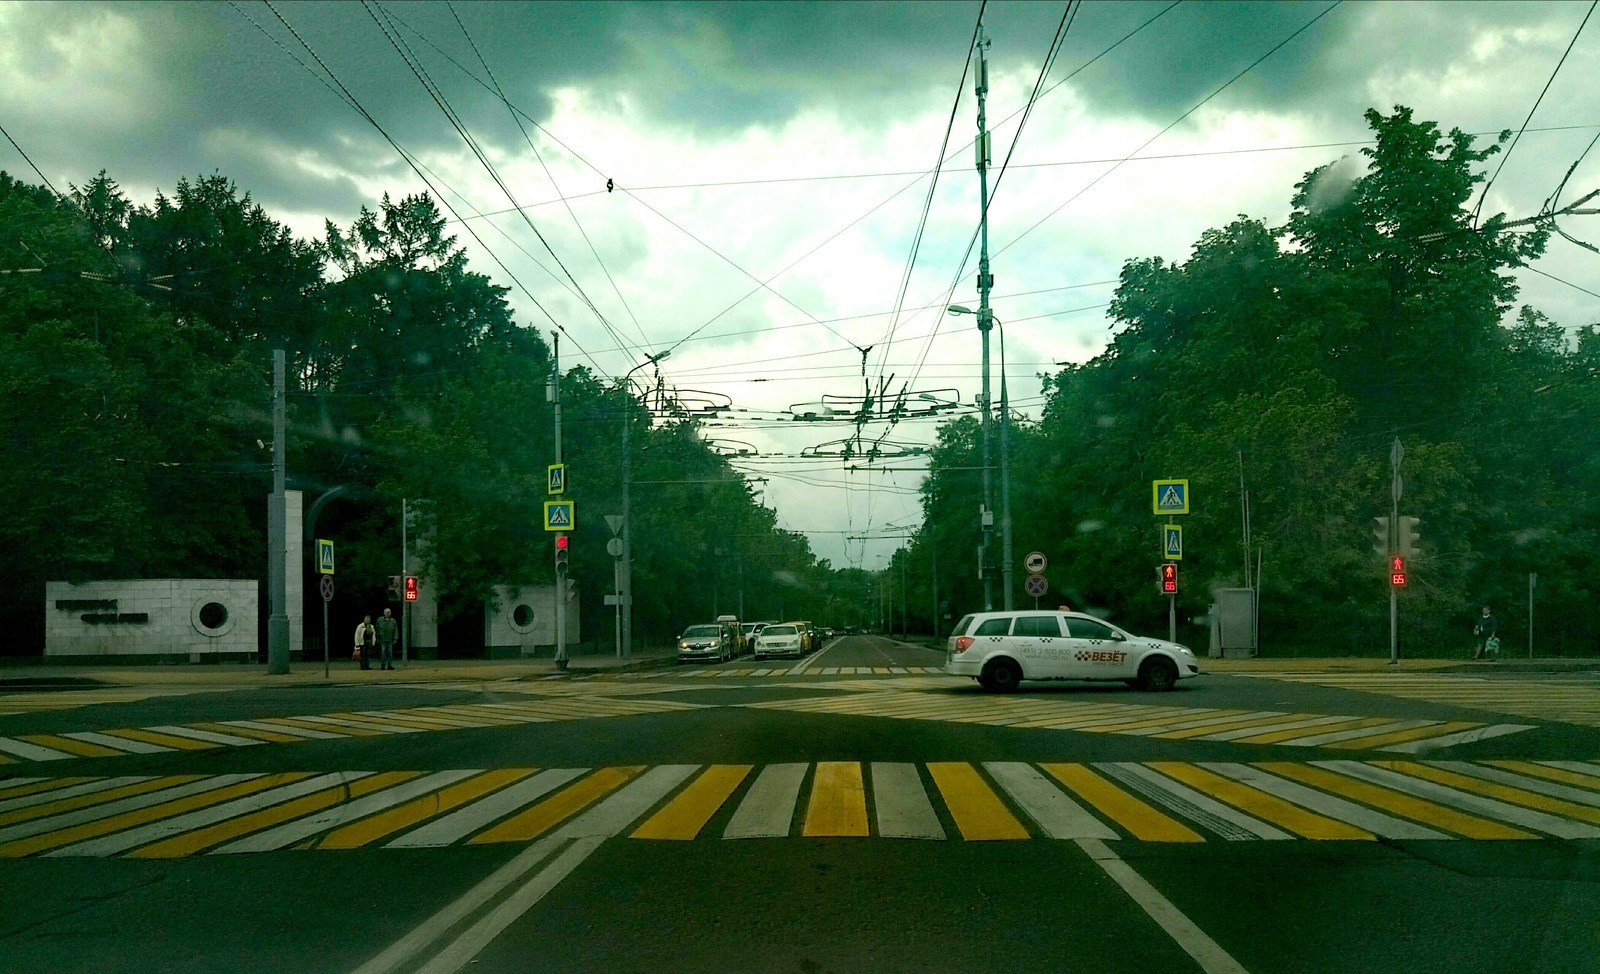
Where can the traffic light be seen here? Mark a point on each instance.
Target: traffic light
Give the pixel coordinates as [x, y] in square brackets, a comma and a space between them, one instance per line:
[1397, 571]
[1169, 578]
[563, 551]
[395, 589]
[1408, 536]
[1382, 540]
[411, 588]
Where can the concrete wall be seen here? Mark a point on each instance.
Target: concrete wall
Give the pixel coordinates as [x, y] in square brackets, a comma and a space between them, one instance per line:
[150, 618]
[523, 618]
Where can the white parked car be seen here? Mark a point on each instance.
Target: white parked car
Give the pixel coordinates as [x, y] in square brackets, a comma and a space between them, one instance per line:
[780, 640]
[1001, 649]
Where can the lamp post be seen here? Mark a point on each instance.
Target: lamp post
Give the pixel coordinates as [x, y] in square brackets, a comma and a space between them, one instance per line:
[625, 593]
[986, 321]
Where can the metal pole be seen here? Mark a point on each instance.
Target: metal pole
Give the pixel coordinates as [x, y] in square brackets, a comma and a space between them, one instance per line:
[985, 321]
[561, 572]
[277, 527]
[1172, 618]
[625, 579]
[1533, 577]
[324, 638]
[1007, 554]
[1396, 452]
[405, 607]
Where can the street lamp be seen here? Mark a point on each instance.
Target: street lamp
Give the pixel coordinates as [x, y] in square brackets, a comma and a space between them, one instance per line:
[986, 321]
[625, 595]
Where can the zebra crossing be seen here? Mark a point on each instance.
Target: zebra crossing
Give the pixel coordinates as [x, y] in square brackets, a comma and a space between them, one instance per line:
[173, 816]
[1571, 703]
[12, 704]
[772, 671]
[205, 735]
[1100, 716]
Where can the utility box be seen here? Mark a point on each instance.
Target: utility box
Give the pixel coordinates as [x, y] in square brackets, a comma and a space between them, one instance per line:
[1233, 624]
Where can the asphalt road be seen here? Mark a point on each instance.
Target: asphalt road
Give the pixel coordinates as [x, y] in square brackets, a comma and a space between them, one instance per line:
[856, 810]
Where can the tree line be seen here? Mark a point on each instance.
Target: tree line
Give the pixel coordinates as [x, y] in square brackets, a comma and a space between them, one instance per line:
[135, 400]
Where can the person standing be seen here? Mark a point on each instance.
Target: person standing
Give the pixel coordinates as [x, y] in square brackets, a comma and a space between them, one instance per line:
[366, 642]
[1488, 642]
[388, 632]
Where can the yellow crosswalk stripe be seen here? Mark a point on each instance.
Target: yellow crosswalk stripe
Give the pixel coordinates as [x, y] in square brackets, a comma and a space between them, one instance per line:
[95, 798]
[838, 804]
[979, 813]
[164, 740]
[1120, 807]
[261, 735]
[1260, 804]
[1188, 732]
[204, 838]
[358, 834]
[1562, 775]
[1492, 789]
[1400, 736]
[89, 830]
[687, 814]
[1389, 800]
[1294, 732]
[324, 728]
[379, 723]
[59, 743]
[535, 821]
[35, 787]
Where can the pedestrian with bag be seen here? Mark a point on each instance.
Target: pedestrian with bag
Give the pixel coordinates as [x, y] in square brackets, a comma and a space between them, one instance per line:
[1488, 642]
[366, 640]
[388, 632]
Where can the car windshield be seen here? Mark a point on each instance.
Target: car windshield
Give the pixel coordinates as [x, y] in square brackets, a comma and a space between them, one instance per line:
[1187, 429]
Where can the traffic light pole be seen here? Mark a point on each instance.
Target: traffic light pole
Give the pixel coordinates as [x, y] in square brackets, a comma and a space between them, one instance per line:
[561, 573]
[1395, 454]
[405, 607]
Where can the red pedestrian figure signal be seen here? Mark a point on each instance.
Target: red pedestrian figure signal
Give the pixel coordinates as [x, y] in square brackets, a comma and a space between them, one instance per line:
[411, 588]
[1397, 571]
[1169, 579]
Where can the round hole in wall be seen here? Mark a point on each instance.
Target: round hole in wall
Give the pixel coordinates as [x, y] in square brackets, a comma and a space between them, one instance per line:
[211, 617]
[522, 617]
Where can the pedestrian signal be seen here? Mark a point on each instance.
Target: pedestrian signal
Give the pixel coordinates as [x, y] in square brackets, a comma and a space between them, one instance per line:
[1169, 579]
[1397, 571]
[411, 588]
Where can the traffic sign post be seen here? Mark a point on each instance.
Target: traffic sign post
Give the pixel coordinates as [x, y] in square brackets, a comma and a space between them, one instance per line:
[1036, 586]
[1036, 563]
[560, 516]
[1170, 496]
[1172, 542]
[327, 596]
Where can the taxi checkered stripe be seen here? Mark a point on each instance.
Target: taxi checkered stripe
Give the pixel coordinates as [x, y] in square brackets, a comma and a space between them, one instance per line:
[156, 817]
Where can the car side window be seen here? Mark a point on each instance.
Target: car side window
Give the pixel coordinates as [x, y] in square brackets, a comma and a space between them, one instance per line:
[993, 627]
[1036, 626]
[1086, 629]
[961, 627]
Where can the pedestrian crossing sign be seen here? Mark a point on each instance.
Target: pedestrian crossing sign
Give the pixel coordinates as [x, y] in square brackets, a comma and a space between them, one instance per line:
[324, 556]
[1172, 542]
[1170, 496]
[559, 516]
[558, 478]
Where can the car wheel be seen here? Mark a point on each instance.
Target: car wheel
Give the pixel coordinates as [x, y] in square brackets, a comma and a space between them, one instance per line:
[1158, 674]
[1001, 675]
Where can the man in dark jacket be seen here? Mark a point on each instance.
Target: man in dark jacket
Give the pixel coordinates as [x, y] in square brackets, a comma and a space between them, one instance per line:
[1485, 630]
[388, 632]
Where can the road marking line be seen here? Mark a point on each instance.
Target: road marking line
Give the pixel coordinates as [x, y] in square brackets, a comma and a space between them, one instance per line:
[308, 828]
[286, 731]
[768, 807]
[171, 802]
[1244, 724]
[386, 823]
[1194, 941]
[33, 752]
[687, 814]
[979, 813]
[1544, 787]
[1347, 811]
[1298, 721]
[168, 742]
[18, 787]
[1526, 818]
[258, 735]
[364, 783]
[1464, 737]
[1058, 815]
[85, 796]
[388, 721]
[1492, 789]
[1295, 736]
[1398, 802]
[1142, 820]
[904, 811]
[1217, 721]
[117, 746]
[1553, 773]
[165, 828]
[1261, 804]
[1432, 731]
[340, 726]
[552, 811]
[838, 803]
[459, 824]
[1227, 822]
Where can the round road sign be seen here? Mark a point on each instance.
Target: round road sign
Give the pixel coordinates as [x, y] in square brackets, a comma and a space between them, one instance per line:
[1035, 562]
[327, 588]
[1037, 585]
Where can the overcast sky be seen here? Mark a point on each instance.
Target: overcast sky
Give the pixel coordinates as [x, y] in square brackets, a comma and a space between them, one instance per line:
[770, 163]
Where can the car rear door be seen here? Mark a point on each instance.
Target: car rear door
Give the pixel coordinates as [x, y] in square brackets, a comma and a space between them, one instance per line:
[1039, 643]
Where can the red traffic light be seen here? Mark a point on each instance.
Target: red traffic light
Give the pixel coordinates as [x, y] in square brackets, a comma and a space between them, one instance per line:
[411, 588]
[561, 542]
[1169, 579]
[1397, 571]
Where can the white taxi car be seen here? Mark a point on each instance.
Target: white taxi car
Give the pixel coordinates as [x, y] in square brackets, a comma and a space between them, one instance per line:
[780, 640]
[1001, 649]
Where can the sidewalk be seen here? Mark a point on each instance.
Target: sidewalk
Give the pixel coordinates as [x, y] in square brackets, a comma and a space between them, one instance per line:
[18, 676]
